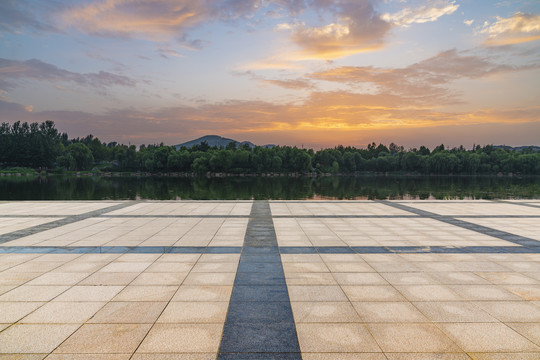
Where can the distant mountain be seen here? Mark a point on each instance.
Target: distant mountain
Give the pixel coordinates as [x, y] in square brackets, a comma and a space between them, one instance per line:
[219, 141]
[518, 148]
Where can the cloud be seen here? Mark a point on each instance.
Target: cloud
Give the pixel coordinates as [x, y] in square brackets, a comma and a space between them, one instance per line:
[357, 27]
[422, 14]
[165, 53]
[423, 82]
[13, 71]
[161, 20]
[324, 119]
[156, 20]
[518, 28]
[468, 22]
[296, 84]
[19, 15]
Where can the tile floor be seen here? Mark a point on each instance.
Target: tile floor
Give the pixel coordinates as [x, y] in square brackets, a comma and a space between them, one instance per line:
[360, 280]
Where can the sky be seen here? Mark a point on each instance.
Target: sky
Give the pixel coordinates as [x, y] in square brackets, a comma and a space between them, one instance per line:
[311, 73]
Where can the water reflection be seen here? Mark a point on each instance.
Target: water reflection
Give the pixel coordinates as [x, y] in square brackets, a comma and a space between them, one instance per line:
[231, 188]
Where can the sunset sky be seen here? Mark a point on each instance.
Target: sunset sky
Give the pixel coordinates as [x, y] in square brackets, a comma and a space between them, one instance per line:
[316, 73]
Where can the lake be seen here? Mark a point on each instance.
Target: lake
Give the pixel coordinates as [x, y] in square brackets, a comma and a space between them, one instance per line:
[289, 188]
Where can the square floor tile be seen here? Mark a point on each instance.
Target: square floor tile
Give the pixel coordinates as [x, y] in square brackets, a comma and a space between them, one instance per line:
[146, 293]
[134, 312]
[79, 266]
[169, 267]
[483, 292]
[33, 293]
[343, 356]
[58, 278]
[210, 279]
[119, 266]
[427, 356]
[197, 356]
[359, 279]
[428, 293]
[63, 312]
[530, 330]
[372, 293]
[506, 356]
[388, 312]
[409, 278]
[453, 311]
[487, 337]
[22, 356]
[182, 338]
[21, 339]
[161, 278]
[324, 312]
[194, 312]
[511, 311]
[203, 293]
[310, 279]
[411, 338]
[215, 267]
[316, 293]
[105, 338]
[305, 267]
[335, 338]
[90, 293]
[11, 312]
[526, 292]
[88, 357]
[109, 278]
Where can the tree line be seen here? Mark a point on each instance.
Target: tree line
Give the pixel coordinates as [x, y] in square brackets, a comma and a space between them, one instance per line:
[43, 146]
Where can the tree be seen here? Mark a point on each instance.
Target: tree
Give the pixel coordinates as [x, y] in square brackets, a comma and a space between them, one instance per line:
[82, 156]
[200, 165]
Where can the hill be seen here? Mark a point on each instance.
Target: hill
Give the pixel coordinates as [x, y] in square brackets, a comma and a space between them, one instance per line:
[216, 140]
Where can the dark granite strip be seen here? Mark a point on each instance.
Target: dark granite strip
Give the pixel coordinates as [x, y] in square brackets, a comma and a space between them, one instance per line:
[358, 216]
[258, 264]
[260, 323]
[503, 235]
[60, 222]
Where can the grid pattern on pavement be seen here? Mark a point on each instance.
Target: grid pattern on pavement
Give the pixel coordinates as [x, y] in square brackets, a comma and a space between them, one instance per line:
[347, 279]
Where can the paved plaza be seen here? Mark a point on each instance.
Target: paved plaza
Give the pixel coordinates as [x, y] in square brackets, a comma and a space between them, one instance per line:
[283, 280]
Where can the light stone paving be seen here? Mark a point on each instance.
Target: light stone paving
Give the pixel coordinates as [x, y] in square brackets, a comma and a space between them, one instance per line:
[51, 208]
[365, 280]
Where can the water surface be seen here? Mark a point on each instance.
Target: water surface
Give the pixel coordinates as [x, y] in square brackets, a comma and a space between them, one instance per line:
[287, 188]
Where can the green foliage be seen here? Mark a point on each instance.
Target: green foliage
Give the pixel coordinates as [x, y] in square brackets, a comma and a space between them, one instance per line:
[78, 156]
[33, 145]
[41, 145]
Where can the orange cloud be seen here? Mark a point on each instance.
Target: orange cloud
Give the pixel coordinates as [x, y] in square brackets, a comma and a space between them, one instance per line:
[295, 84]
[329, 116]
[157, 20]
[518, 28]
[357, 28]
[426, 83]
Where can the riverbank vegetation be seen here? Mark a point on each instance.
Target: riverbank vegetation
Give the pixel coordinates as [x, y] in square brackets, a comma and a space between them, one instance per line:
[38, 146]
